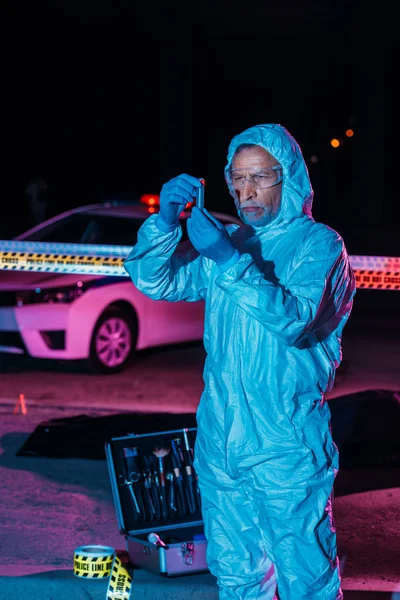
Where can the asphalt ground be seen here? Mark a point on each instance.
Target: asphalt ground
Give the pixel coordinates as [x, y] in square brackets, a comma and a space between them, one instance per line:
[50, 506]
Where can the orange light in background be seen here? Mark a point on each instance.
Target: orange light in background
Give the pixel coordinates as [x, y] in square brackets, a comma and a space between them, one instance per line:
[335, 143]
[349, 132]
[151, 209]
[150, 199]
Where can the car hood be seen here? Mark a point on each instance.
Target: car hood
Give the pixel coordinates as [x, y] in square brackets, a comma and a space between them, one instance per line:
[23, 280]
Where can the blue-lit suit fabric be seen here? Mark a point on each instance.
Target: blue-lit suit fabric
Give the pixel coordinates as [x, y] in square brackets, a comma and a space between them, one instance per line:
[264, 454]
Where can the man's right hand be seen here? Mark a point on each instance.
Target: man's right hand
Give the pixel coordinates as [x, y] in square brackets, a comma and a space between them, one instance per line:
[175, 194]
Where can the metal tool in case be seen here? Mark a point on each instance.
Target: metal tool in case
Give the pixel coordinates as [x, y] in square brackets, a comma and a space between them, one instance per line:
[157, 500]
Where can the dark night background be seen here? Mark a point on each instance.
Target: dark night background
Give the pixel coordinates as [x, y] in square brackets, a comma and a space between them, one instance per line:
[108, 99]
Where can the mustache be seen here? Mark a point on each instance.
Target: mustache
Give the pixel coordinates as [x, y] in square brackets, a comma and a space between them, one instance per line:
[249, 205]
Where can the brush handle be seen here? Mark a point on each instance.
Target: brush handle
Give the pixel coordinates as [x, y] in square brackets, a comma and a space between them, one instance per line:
[149, 502]
[161, 470]
[181, 497]
[189, 489]
[162, 488]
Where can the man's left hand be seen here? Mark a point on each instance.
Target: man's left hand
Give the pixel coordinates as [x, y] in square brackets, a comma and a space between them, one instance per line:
[209, 236]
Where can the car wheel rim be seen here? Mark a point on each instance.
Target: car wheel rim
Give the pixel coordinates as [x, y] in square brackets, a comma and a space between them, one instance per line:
[113, 342]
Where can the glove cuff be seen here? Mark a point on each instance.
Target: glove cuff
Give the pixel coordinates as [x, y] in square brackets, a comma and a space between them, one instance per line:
[163, 226]
[223, 266]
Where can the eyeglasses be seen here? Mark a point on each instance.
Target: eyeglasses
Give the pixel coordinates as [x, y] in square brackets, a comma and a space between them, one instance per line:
[261, 179]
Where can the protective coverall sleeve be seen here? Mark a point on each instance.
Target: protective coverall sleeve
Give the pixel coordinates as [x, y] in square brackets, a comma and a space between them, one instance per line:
[318, 289]
[163, 271]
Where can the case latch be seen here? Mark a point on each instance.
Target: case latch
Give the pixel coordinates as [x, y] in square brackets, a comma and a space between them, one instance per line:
[188, 551]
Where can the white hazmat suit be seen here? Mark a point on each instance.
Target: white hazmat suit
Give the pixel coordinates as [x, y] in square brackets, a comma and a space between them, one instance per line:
[264, 454]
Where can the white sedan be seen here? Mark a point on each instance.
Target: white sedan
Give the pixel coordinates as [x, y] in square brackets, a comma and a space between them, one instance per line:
[97, 318]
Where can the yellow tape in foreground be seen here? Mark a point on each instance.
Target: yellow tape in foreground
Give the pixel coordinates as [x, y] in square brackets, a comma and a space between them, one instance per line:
[371, 272]
[99, 562]
[62, 263]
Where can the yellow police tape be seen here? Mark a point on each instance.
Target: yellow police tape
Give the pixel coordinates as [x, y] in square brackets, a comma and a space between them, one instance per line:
[371, 272]
[99, 562]
[58, 263]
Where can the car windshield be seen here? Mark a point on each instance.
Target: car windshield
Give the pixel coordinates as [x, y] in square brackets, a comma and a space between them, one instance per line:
[89, 229]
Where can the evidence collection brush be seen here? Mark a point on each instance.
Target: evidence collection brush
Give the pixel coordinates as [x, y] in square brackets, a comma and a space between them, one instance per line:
[185, 460]
[161, 453]
[177, 464]
[189, 454]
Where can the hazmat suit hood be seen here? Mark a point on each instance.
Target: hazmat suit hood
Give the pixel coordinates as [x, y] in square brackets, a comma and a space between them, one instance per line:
[297, 192]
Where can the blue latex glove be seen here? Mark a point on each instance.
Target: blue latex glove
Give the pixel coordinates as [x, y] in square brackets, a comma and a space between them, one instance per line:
[210, 237]
[175, 194]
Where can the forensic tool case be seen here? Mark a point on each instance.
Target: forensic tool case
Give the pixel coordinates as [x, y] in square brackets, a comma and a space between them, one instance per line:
[155, 492]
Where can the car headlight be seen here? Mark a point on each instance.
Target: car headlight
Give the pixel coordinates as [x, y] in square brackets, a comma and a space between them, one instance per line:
[59, 295]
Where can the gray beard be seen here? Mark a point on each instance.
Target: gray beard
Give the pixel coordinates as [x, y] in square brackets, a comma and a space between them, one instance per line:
[265, 219]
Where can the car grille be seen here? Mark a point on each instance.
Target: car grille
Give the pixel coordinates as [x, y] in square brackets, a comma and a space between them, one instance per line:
[8, 298]
[12, 338]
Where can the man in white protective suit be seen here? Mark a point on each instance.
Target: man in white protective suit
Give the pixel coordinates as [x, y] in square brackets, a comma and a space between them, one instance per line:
[278, 292]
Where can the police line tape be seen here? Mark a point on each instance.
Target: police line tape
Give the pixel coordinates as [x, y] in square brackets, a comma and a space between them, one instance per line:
[62, 263]
[99, 562]
[63, 248]
[371, 272]
[377, 280]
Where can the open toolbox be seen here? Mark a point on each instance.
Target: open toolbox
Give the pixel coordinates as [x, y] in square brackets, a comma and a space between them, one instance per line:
[157, 500]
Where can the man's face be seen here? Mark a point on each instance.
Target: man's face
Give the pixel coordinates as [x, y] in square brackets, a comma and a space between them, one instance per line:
[255, 206]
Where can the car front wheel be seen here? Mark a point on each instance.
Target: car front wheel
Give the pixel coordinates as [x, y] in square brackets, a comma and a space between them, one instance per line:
[113, 341]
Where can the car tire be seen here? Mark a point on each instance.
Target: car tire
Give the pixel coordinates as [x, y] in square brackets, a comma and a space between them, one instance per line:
[113, 341]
